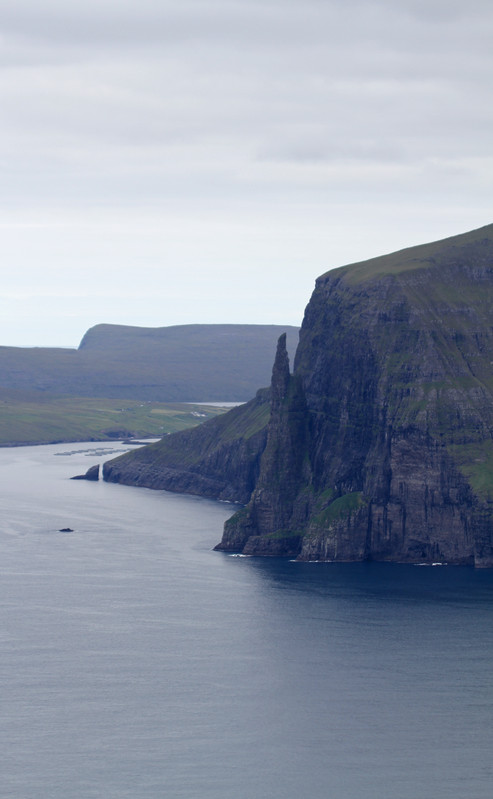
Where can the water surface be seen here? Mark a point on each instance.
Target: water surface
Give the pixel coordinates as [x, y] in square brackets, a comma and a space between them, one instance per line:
[137, 663]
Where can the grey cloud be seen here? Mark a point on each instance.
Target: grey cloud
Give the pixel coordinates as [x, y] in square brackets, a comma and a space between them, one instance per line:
[247, 24]
[246, 110]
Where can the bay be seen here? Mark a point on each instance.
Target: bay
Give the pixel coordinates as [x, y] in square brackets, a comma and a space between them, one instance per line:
[136, 662]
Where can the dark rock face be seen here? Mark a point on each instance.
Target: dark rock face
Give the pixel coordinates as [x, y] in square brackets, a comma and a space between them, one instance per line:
[91, 474]
[380, 445]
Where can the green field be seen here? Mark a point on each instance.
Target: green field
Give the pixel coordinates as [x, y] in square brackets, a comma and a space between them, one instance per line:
[30, 418]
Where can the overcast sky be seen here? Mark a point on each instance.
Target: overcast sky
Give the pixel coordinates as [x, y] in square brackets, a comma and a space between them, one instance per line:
[178, 161]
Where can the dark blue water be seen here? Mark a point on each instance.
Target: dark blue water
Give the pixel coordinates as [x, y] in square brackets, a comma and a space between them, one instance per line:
[137, 663]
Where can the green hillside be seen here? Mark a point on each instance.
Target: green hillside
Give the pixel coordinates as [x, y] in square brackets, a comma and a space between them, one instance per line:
[34, 418]
[446, 252]
[219, 459]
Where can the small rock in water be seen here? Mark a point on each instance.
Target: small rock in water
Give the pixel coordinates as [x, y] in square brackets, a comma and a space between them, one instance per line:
[91, 474]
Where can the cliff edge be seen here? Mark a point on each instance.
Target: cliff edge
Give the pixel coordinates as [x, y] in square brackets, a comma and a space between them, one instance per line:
[379, 444]
[395, 458]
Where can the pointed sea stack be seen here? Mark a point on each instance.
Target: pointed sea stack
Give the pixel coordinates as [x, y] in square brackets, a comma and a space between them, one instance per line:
[265, 526]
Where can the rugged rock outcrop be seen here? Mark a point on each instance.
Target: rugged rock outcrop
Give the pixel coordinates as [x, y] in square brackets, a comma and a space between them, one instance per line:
[91, 474]
[380, 444]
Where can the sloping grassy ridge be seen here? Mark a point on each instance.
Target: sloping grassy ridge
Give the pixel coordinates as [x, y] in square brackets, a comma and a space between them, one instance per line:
[220, 459]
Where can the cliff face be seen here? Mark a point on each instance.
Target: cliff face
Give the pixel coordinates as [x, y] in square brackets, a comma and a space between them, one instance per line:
[380, 445]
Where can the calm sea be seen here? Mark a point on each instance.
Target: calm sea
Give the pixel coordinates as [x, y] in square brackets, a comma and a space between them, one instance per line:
[136, 663]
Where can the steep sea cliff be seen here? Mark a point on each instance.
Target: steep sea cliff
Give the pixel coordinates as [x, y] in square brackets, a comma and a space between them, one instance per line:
[380, 444]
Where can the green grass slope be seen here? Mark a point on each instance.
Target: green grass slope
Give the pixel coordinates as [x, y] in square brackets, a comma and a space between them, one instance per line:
[34, 418]
[219, 459]
[470, 247]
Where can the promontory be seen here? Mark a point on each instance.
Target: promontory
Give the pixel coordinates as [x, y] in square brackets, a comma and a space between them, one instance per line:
[379, 444]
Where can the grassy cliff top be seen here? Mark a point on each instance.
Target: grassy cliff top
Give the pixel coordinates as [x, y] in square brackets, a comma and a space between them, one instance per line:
[474, 246]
